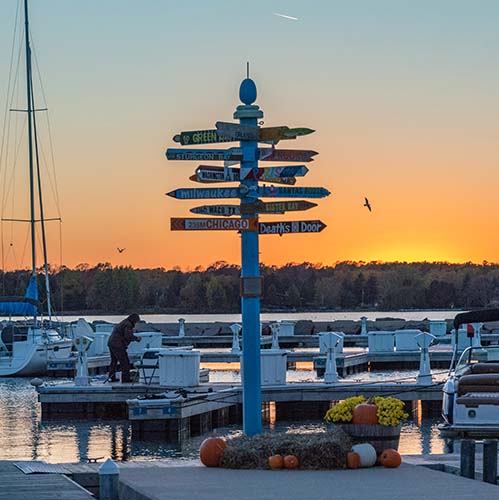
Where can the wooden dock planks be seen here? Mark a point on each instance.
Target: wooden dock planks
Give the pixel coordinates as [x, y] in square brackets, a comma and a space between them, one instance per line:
[15, 485]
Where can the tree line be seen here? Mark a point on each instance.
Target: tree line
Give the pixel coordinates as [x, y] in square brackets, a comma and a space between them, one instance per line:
[215, 289]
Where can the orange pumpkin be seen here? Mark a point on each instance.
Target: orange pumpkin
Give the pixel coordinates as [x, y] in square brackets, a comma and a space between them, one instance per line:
[211, 451]
[353, 460]
[276, 462]
[291, 462]
[365, 413]
[390, 458]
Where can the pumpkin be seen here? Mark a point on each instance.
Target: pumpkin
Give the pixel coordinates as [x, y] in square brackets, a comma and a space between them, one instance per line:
[367, 454]
[390, 458]
[276, 462]
[365, 413]
[353, 460]
[291, 462]
[211, 451]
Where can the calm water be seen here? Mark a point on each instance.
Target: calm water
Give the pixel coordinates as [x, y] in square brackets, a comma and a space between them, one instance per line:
[313, 316]
[23, 436]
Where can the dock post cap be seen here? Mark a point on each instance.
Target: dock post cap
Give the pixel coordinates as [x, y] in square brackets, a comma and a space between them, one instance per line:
[108, 468]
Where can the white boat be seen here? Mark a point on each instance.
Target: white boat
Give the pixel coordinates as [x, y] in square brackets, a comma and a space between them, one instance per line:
[471, 393]
[24, 350]
[26, 347]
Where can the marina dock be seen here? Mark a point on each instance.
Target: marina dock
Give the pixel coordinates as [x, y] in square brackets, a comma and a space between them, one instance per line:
[16, 485]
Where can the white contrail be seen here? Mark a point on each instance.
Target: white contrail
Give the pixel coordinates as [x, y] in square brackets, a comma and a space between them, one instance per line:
[285, 16]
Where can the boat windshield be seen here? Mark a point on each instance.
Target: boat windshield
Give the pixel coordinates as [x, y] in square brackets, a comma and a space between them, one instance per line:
[472, 355]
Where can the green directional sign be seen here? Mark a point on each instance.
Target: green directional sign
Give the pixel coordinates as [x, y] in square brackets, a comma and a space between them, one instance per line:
[200, 137]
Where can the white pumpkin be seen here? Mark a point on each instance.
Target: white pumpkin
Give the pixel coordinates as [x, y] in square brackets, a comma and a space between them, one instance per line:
[367, 454]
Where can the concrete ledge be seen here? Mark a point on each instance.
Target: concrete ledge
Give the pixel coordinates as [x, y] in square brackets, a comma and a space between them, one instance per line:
[408, 482]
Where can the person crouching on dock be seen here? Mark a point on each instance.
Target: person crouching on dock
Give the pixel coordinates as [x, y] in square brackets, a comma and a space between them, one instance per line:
[118, 344]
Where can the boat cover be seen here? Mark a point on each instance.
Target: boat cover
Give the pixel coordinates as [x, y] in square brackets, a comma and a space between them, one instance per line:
[22, 306]
[482, 316]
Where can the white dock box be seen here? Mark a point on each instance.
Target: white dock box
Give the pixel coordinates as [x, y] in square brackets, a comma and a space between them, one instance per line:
[179, 367]
[273, 367]
[104, 327]
[286, 328]
[99, 345]
[438, 328]
[149, 340]
[381, 341]
[323, 341]
[405, 340]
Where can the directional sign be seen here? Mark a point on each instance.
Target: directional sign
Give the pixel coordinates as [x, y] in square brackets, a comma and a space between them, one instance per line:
[198, 224]
[236, 154]
[201, 137]
[292, 192]
[232, 154]
[223, 210]
[276, 134]
[276, 207]
[238, 132]
[204, 193]
[271, 154]
[209, 174]
[269, 173]
[256, 192]
[288, 227]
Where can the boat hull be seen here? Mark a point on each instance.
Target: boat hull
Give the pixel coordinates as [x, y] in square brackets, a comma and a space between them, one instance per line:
[34, 359]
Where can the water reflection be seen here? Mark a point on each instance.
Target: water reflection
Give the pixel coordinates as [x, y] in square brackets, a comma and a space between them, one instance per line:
[23, 436]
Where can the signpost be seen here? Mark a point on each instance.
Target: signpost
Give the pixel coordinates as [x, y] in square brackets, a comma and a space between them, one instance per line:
[213, 224]
[299, 226]
[248, 192]
[222, 210]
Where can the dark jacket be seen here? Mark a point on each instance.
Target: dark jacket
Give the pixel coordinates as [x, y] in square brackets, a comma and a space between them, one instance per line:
[122, 335]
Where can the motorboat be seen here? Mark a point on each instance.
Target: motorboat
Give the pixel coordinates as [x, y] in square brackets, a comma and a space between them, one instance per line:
[471, 393]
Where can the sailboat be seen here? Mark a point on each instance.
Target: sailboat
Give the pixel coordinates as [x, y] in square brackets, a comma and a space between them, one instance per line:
[25, 347]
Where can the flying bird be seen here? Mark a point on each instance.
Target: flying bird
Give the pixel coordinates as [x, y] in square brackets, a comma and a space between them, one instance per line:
[291, 18]
[120, 250]
[367, 204]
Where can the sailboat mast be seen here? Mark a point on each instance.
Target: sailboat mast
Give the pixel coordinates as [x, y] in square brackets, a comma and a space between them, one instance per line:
[30, 141]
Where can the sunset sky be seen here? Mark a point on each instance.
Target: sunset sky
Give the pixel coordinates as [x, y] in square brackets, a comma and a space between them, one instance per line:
[403, 95]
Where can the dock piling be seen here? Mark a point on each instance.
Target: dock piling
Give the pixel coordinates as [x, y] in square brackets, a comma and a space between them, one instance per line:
[490, 461]
[468, 458]
[109, 475]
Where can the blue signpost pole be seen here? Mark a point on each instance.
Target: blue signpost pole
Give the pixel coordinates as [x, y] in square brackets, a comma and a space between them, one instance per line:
[249, 114]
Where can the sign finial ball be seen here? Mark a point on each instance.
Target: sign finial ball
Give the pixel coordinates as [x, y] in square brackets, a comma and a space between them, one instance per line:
[247, 91]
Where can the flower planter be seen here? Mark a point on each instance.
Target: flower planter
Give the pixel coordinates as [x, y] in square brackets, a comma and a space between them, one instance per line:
[380, 436]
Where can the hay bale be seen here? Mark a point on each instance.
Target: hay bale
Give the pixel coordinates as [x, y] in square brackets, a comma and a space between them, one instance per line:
[318, 450]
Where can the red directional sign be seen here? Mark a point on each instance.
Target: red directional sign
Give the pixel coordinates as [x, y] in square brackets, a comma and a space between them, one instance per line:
[288, 227]
[271, 154]
[213, 224]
